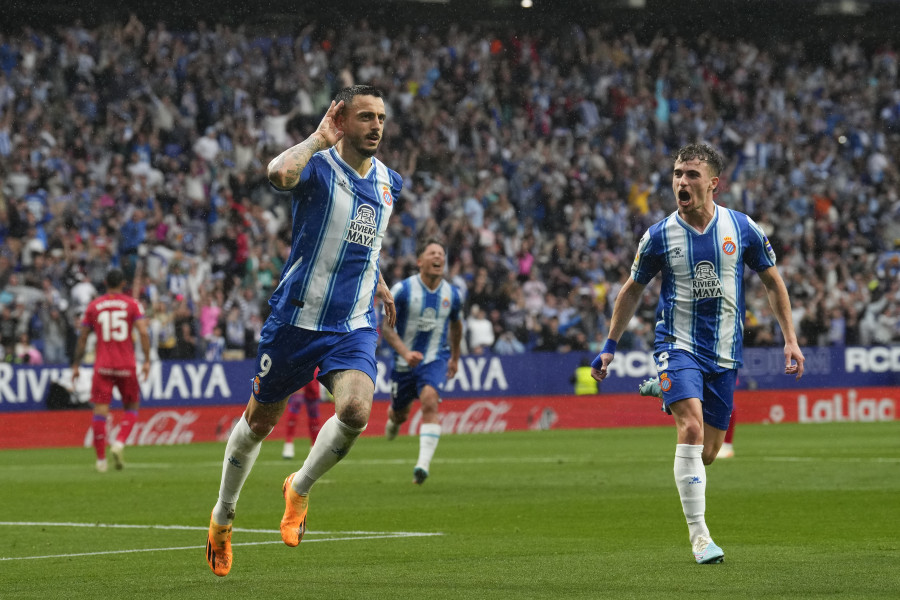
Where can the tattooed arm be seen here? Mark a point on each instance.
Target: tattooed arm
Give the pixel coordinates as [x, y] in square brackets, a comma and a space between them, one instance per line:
[284, 170]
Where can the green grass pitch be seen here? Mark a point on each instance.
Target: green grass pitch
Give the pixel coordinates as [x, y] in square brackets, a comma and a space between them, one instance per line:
[802, 511]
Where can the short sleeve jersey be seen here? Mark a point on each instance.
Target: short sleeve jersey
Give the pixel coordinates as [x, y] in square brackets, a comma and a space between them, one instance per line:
[423, 318]
[339, 220]
[112, 317]
[701, 304]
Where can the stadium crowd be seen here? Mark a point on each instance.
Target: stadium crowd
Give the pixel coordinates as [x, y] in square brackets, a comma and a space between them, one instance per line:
[540, 158]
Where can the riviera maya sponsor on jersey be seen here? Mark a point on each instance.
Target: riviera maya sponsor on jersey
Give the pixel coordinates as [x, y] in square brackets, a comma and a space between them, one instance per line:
[362, 228]
[706, 283]
[428, 320]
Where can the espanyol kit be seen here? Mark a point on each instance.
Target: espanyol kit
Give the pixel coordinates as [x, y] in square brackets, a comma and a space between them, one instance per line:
[339, 220]
[423, 317]
[701, 303]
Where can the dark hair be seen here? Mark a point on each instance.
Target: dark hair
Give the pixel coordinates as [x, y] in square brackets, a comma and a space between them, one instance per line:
[704, 153]
[348, 93]
[427, 242]
[115, 278]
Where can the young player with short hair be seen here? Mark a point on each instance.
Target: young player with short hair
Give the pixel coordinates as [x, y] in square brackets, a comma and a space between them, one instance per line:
[700, 250]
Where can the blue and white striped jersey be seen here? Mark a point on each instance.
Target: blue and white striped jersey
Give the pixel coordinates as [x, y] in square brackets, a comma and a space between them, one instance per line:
[339, 220]
[701, 303]
[423, 318]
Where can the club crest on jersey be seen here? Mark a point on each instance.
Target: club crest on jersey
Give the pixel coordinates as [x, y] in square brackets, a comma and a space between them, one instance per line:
[386, 195]
[445, 302]
[728, 246]
[362, 228]
[706, 283]
[256, 386]
[665, 384]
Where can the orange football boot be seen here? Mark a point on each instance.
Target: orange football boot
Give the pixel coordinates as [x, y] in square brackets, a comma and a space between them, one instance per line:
[218, 548]
[293, 523]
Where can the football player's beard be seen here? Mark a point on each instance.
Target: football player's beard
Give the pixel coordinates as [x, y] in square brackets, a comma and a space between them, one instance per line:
[366, 150]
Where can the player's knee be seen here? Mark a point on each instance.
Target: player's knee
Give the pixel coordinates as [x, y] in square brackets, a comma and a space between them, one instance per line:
[708, 457]
[261, 425]
[354, 412]
[691, 432]
[261, 429]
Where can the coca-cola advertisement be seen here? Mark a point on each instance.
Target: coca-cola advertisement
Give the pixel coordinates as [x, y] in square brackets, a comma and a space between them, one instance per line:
[169, 426]
[162, 428]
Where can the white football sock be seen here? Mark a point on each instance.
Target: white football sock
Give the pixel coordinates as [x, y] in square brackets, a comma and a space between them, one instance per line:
[332, 444]
[429, 436]
[240, 453]
[690, 478]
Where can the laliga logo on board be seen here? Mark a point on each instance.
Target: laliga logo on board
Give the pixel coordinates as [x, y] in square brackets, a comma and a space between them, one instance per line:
[863, 410]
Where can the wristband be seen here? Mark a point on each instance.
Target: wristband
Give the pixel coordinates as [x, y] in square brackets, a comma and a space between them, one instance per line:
[608, 348]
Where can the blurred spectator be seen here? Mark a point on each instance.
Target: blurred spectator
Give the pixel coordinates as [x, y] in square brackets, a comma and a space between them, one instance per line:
[480, 331]
[9, 326]
[81, 295]
[215, 345]
[236, 333]
[549, 337]
[507, 344]
[163, 331]
[211, 312]
[185, 342]
[56, 335]
[26, 353]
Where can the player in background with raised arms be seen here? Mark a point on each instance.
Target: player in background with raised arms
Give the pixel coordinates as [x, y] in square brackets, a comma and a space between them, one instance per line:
[111, 317]
[701, 250]
[428, 317]
[323, 313]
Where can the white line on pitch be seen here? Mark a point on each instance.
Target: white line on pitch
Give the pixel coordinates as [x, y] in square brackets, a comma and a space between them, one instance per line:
[846, 459]
[353, 535]
[196, 528]
[467, 461]
[358, 462]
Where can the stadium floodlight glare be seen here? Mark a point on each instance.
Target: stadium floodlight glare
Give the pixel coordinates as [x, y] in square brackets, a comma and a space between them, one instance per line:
[527, 3]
